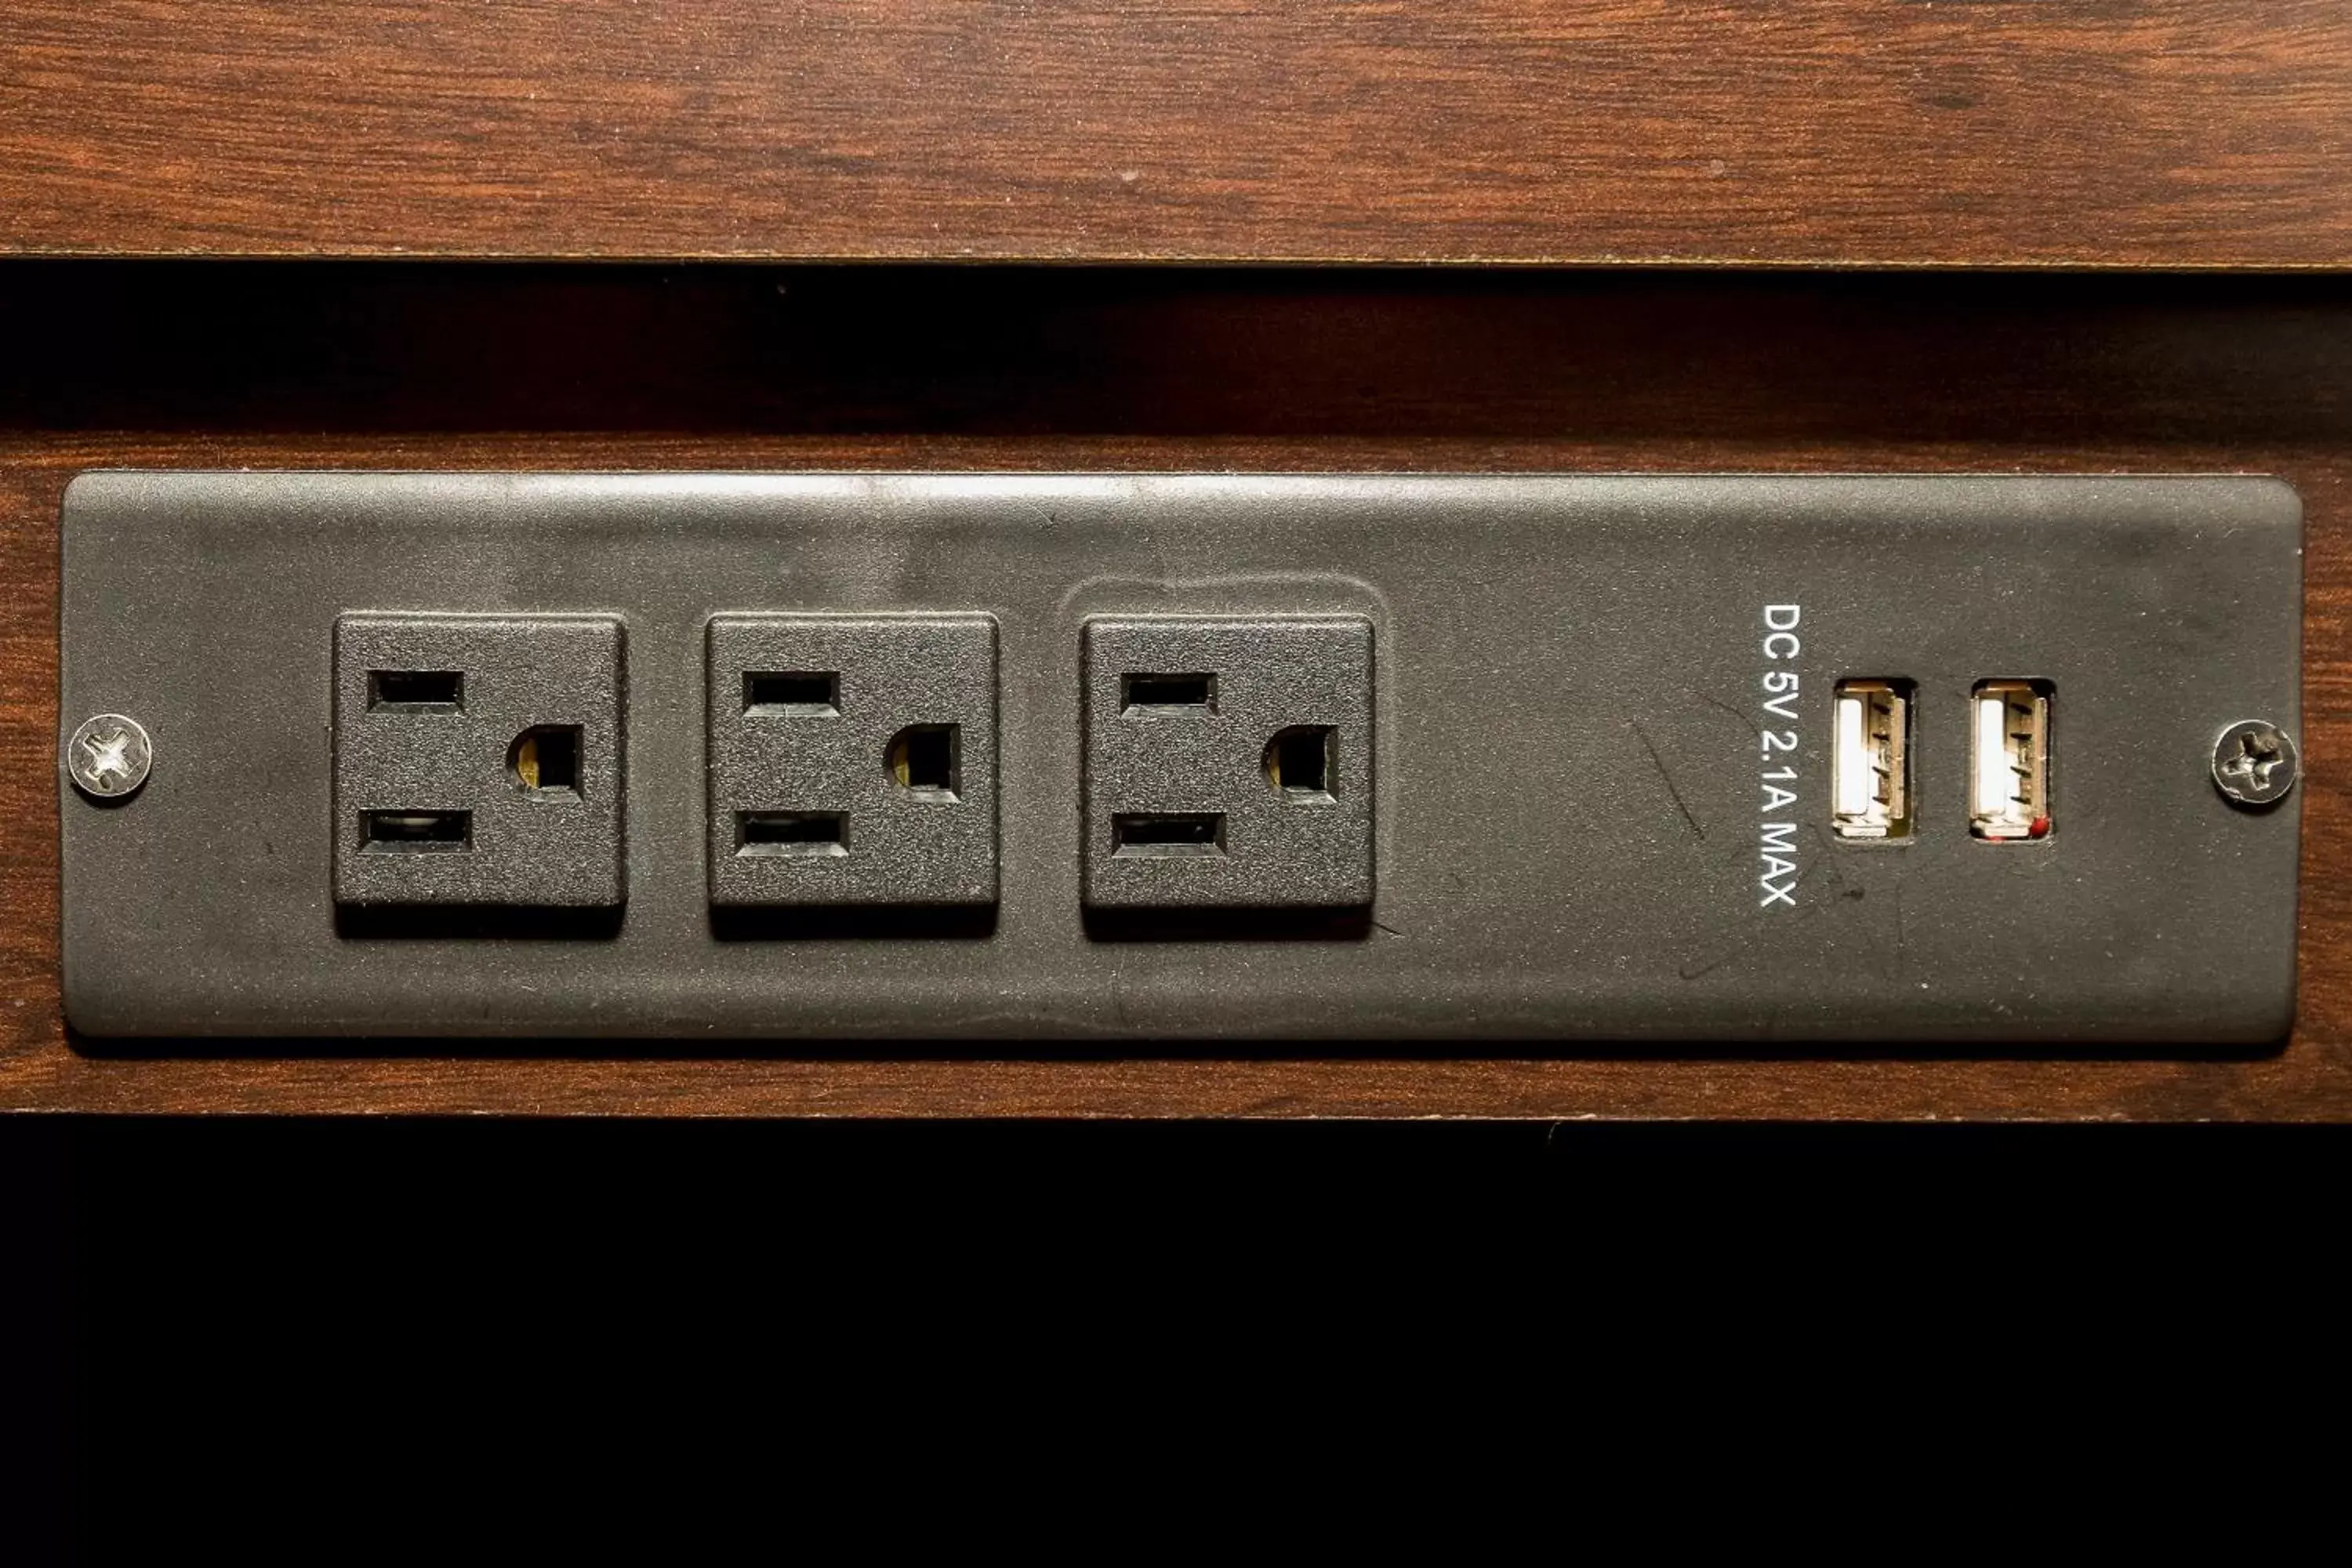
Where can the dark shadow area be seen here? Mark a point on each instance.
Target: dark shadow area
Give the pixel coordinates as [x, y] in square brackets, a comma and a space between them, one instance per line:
[1846, 358]
[1309, 924]
[434, 922]
[337, 1306]
[42, 1298]
[160, 1190]
[875, 922]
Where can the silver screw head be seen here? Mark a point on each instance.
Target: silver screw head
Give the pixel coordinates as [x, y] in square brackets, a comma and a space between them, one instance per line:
[2256, 763]
[109, 756]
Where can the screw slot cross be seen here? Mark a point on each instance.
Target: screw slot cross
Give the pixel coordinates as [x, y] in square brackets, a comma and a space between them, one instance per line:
[108, 755]
[2257, 758]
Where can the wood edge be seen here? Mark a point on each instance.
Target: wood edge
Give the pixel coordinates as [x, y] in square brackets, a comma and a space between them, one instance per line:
[1922, 1089]
[2151, 265]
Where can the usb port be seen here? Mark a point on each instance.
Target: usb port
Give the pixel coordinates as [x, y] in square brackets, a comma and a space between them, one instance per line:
[1871, 766]
[2010, 787]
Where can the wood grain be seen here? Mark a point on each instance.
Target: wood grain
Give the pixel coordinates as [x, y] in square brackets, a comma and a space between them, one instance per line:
[762, 368]
[2109, 133]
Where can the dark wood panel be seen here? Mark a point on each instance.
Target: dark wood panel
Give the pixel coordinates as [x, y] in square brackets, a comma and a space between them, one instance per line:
[2156, 132]
[921, 368]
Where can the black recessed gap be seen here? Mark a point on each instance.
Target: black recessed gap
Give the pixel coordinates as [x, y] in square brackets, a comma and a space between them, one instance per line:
[1299, 763]
[415, 691]
[415, 832]
[1156, 835]
[798, 833]
[791, 694]
[1157, 692]
[925, 760]
[545, 760]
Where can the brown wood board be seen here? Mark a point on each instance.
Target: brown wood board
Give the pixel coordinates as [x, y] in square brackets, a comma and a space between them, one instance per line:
[2085, 133]
[531, 367]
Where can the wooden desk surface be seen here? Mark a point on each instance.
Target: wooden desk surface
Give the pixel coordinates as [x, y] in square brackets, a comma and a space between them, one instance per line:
[760, 367]
[2166, 133]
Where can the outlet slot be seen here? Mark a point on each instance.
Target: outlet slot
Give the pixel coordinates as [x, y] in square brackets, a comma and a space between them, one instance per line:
[1298, 764]
[923, 760]
[799, 694]
[2010, 782]
[416, 832]
[545, 760]
[1140, 694]
[798, 833]
[415, 691]
[1167, 835]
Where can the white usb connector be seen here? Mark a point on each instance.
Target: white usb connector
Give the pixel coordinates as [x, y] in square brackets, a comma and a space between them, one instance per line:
[2010, 782]
[1870, 767]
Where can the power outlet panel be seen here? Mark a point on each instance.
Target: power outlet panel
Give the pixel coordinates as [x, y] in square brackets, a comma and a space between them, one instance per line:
[1228, 761]
[478, 761]
[1891, 760]
[853, 759]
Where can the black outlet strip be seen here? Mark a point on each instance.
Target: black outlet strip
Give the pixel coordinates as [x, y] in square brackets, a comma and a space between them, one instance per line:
[1573, 741]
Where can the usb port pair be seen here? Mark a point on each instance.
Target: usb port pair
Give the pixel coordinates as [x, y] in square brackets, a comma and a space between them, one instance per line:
[2009, 775]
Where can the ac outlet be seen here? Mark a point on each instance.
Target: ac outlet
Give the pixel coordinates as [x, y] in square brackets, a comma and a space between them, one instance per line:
[852, 760]
[477, 761]
[1229, 762]
[1888, 761]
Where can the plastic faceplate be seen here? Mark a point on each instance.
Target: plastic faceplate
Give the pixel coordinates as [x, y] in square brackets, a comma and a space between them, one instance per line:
[1580, 831]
